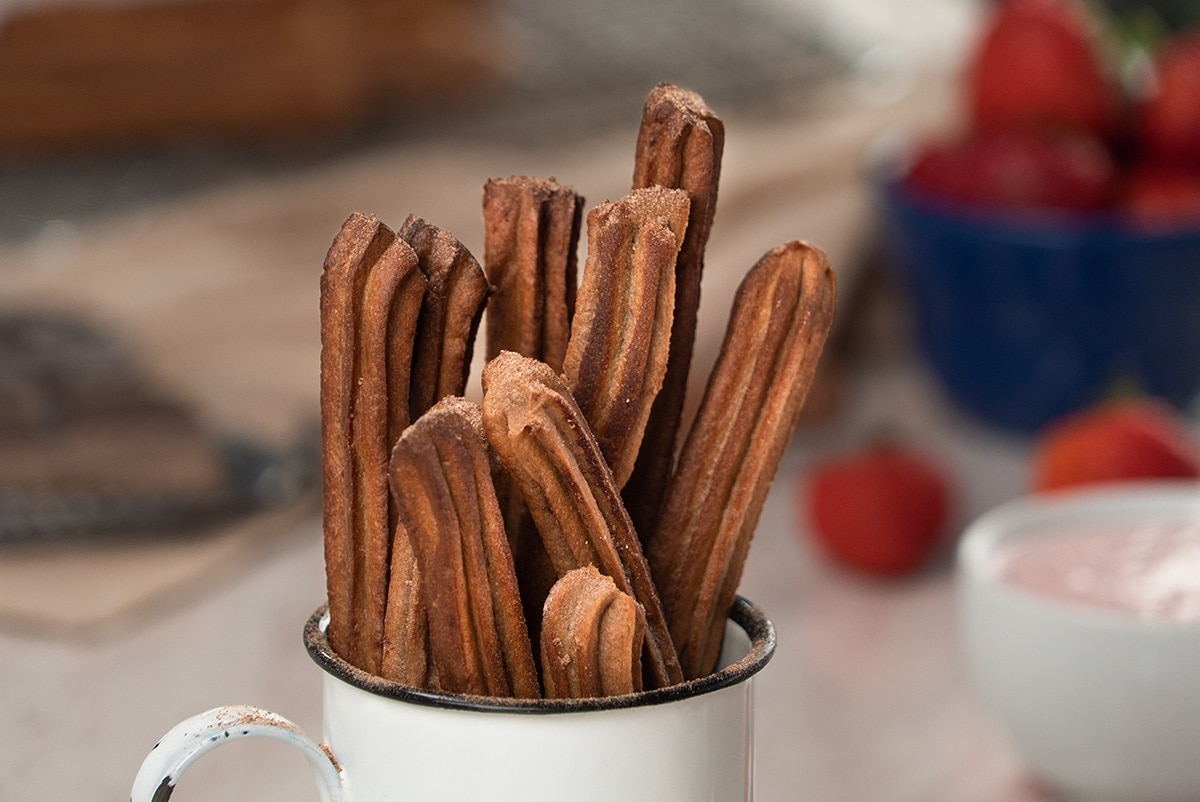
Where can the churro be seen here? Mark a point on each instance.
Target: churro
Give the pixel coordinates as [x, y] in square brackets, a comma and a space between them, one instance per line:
[394, 271]
[441, 482]
[454, 301]
[592, 637]
[405, 652]
[620, 338]
[361, 242]
[781, 317]
[544, 441]
[530, 236]
[680, 143]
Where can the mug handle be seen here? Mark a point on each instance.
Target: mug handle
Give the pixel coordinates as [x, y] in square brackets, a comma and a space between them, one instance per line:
[191, 738]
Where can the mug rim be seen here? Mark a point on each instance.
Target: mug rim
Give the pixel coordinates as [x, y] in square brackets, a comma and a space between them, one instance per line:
[744, 613]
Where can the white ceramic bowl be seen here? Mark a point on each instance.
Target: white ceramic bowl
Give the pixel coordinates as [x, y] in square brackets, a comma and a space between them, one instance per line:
[1097, 704]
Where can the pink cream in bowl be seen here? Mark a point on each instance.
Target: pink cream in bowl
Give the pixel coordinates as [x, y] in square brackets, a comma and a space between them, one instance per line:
[1080, 623]
[1148, 569]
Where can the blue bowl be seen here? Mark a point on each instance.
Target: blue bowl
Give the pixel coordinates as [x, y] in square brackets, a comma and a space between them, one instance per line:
[1026, 318]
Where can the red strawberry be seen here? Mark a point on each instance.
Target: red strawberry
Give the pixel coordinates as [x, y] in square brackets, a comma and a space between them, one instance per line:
[881, 510]
[1038, 65]
[1158, 194]
[1168, 122]
[1121, 440]
[1019, 169]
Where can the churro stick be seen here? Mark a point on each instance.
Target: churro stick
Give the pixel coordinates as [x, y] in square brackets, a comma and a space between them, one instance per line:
[393, 275]
[359, 243]
[679, 144]
[403, 322]
[592, 637]
[621, 335]
[542, 438]
[441, 482]
[405, 652]
[530, 235]
[454, 300]
[781, 317]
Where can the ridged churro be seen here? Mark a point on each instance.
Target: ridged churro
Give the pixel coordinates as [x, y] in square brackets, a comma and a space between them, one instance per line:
[531, 232]
[621, 335]
[360, 240]
[395, 271]
[405, 652]
[544, 441]
[680, 143]
[592, 637]
[781, 317]
[454, 301]
[441, 482]
[363, 269]
[530, 236]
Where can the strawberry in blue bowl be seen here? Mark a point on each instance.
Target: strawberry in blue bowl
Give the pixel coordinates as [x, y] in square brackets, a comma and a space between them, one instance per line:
[1051, 249]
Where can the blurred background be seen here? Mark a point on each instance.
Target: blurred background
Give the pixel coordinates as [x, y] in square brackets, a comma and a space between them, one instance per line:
[171, 175]
[109, 104]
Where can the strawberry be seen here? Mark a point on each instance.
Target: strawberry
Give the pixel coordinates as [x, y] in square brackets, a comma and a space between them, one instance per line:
[1018, 170]
[1157, 194]
[1137, 438]
[1037, 65]
[880, 510]
[1168, 121]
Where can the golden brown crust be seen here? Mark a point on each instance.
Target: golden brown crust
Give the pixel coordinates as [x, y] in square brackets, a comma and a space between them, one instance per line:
[405, 653]
[592, 636]
[680, 144]
[441, 481]
[371, 448]
[403, 321]
[780, 320]
[358, 244]
[620, 338]
[530, 235]
[453, 306]
[542, 438]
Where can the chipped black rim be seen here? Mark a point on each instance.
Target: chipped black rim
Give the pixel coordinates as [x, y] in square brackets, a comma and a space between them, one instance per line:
[752, 620]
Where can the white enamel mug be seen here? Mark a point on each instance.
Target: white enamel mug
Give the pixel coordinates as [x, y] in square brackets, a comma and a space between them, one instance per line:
[385, 741]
